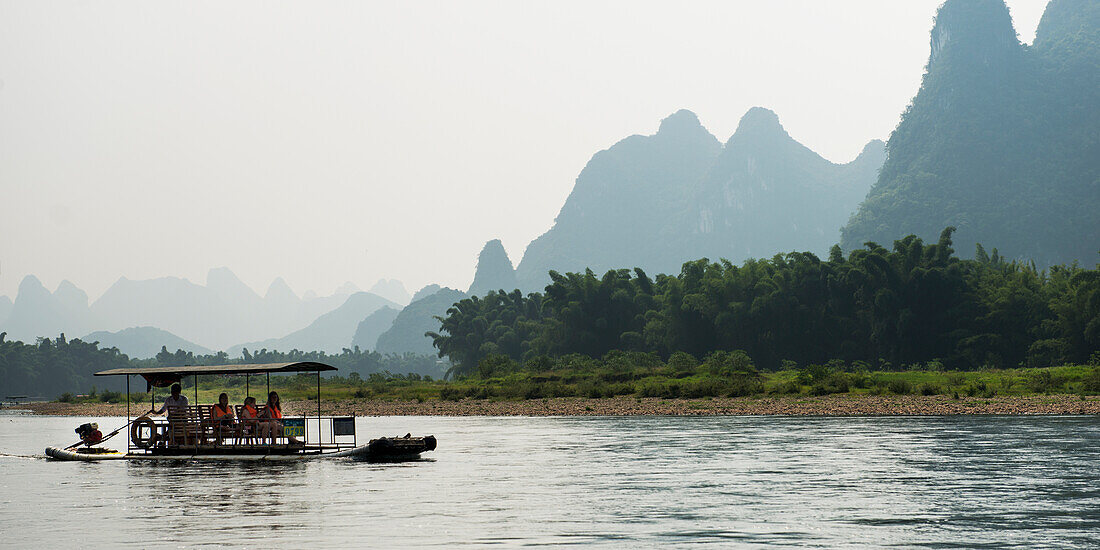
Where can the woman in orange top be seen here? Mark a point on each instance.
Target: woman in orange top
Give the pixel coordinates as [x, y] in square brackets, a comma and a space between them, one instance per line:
[269, 423]
[222, 414]
[249, 414]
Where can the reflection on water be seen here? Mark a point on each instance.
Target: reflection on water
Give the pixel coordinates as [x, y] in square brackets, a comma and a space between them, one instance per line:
[642, 481]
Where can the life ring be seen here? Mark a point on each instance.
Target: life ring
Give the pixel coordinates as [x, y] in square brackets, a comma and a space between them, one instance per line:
[135, 432]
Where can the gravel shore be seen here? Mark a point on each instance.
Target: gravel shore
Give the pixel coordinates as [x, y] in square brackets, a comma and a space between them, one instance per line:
[832, 405]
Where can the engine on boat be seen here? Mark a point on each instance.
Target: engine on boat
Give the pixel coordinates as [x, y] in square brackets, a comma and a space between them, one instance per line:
[89, 433]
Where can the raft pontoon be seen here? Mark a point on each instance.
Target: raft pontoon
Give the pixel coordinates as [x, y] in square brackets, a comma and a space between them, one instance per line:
[191, 433]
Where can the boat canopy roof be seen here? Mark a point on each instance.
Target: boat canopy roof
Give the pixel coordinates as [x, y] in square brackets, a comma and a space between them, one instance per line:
[300, 366]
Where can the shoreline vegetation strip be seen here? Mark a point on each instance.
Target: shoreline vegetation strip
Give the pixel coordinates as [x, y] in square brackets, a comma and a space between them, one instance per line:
[790, 405]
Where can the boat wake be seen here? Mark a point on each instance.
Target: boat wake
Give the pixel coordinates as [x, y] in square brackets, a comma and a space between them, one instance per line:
[25, 457]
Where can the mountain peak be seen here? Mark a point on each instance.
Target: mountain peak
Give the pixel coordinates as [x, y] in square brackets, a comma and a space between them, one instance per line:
[428, 290]
[279, 289]
[347, 289]
[972, 31]
[221, 277]
[1070, 27]
[494, 270]
[391, 289]
[758, 122]
[30, 283]
[680, 122]
[874, 151]
[69, 294]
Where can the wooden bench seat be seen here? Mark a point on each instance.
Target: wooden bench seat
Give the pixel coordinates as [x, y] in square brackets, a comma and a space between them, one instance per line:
[195, 425]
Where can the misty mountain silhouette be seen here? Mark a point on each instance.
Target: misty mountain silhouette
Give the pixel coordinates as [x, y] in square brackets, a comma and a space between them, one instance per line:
[392, 290]
[494, 270]
[366, 334]
[329, 333]
[143, 342]
[221, 313]
[657, 201]
[407, 333]
[38, 312]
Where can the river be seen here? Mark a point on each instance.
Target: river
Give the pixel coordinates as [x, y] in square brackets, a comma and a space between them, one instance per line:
[935, 482]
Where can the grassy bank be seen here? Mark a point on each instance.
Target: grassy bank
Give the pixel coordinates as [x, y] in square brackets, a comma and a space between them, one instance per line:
[664, 381]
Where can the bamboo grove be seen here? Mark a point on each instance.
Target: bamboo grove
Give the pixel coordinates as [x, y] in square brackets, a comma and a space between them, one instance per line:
[915, 304]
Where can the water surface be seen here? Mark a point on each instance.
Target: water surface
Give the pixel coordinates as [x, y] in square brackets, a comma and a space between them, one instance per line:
[937, 482]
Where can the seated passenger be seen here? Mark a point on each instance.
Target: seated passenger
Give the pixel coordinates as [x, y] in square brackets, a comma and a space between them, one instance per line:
[270, 425]
[249, 416]
[222, 414]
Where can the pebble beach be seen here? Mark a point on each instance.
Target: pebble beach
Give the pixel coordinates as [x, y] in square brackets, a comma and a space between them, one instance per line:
[831, 405]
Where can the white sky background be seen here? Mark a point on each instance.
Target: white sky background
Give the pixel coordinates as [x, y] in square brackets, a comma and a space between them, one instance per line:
[349, 141]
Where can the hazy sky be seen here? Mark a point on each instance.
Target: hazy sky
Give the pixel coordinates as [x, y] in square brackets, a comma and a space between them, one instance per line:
[349, 141]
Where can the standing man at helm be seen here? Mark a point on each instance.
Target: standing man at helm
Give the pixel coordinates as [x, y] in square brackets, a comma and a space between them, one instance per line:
[175, 399]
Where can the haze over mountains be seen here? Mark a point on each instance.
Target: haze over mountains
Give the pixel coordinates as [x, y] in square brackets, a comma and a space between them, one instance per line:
[330, 333]
[222, 314]
[1002, 141]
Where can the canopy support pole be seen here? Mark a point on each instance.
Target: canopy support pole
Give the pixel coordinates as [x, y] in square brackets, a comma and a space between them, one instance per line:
[127, 410]
[269, 384]
[318, 409]
[196, 389]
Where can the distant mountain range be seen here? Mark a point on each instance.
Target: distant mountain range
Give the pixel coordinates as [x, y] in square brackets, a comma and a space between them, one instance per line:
[330, 333]
[657, 201]
[407, 333]
[143, 342]
[38, 312]
[392, 290]
[218, 315]
[1001, 141]
[366, 334]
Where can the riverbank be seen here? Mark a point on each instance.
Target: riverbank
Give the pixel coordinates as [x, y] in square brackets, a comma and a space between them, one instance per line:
[798, 405]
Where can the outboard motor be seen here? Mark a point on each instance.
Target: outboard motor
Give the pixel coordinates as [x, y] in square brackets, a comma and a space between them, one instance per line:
[89, 433]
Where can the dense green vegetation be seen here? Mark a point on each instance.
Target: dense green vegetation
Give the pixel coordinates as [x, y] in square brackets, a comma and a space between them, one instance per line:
[722, 374]
[52, 367]
[913, 319]
[639, 375]
[885, 309]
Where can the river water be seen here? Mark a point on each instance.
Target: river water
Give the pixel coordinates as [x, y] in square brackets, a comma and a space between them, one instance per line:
[936, 482]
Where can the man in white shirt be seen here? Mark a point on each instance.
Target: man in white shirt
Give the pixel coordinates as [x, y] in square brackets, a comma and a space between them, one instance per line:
[176, 399]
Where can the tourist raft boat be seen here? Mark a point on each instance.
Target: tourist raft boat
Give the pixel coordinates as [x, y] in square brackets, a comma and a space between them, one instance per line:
[191, 432]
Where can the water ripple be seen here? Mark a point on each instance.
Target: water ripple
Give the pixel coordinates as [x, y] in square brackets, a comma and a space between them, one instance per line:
[941, 482]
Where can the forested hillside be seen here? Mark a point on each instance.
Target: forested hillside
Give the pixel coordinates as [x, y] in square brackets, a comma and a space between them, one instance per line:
[914, 304]
[50, 367]
[1002, 140]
